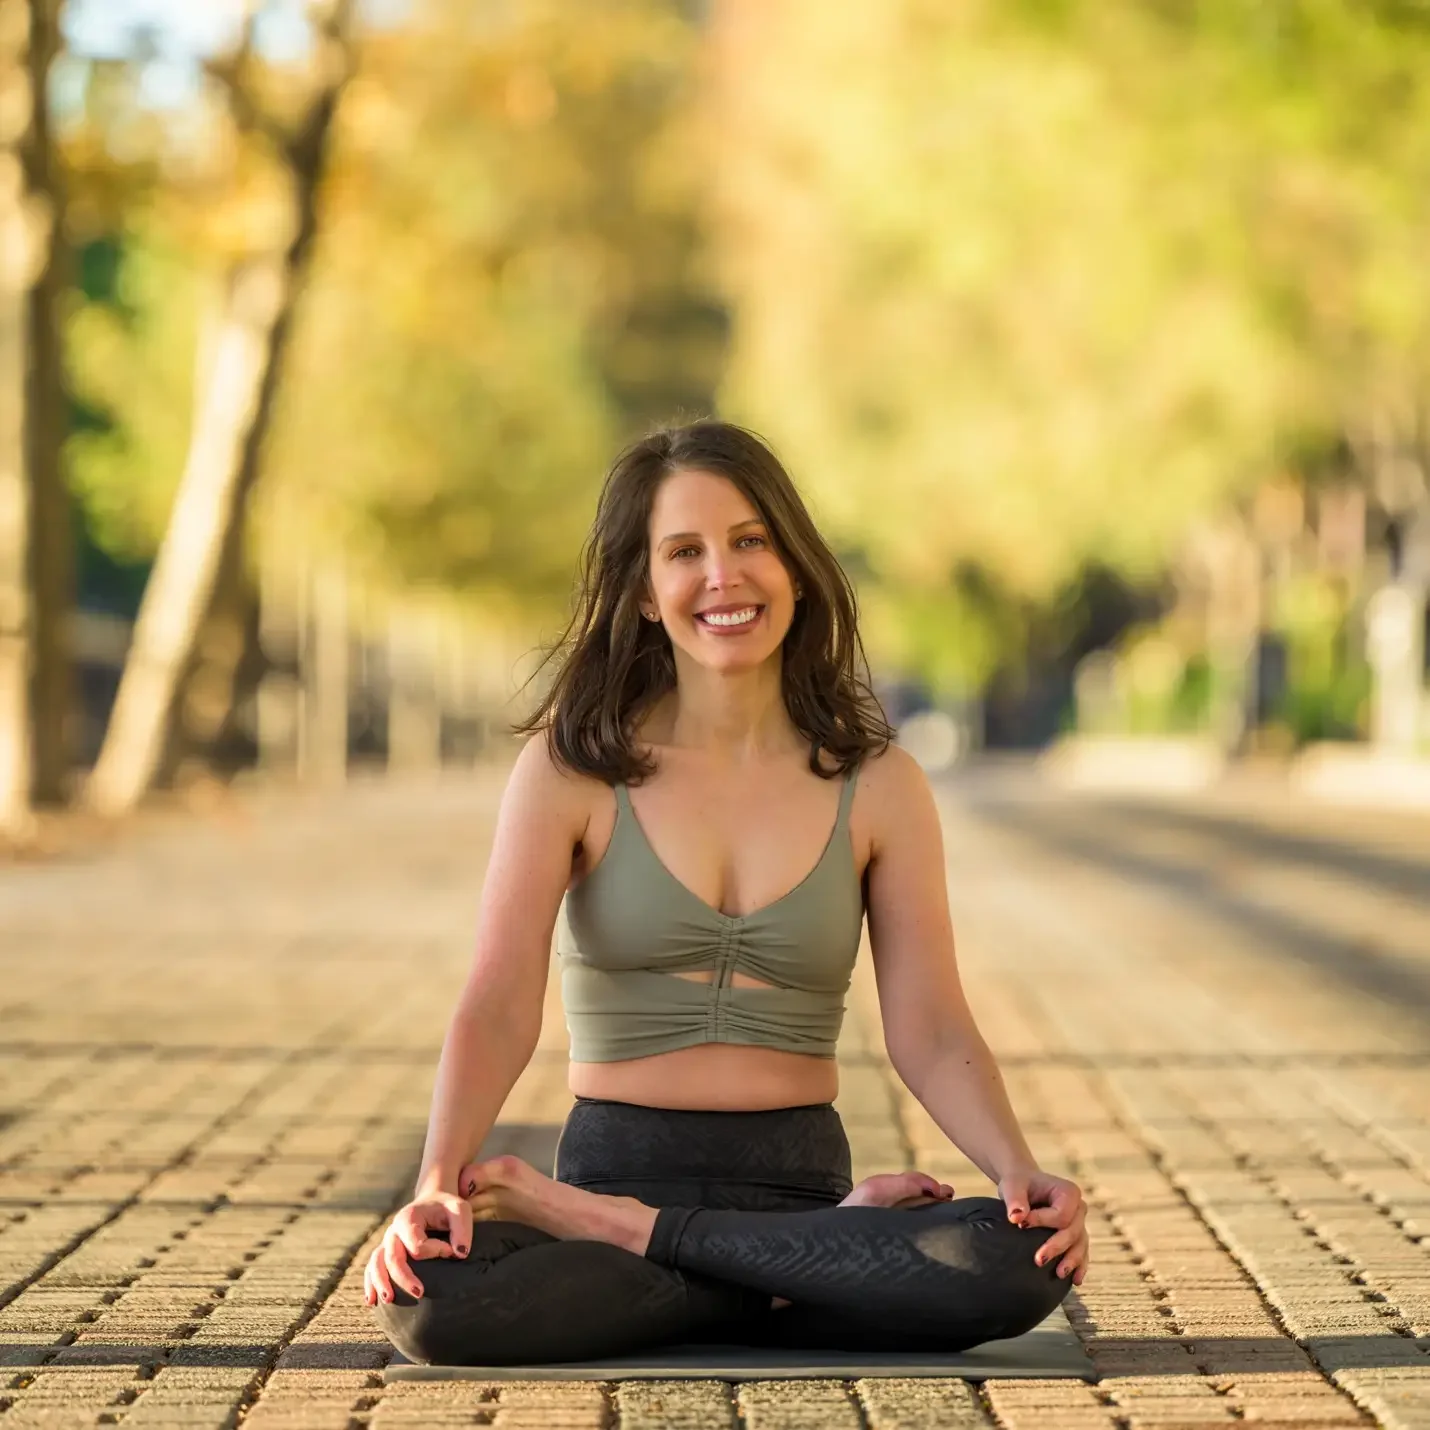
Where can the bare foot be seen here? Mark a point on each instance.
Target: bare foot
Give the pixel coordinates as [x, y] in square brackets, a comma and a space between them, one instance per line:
[508, 1189]
[898, 1189]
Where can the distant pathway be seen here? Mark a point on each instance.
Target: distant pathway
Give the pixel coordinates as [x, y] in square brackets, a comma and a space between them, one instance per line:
[217, 1041]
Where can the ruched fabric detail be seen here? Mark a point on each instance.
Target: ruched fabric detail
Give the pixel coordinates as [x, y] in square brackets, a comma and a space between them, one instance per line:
[630, 926]
[632, 1014]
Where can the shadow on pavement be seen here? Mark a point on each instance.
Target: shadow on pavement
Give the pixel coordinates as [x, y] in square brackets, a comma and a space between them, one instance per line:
[1357, 964]
[1407, 876]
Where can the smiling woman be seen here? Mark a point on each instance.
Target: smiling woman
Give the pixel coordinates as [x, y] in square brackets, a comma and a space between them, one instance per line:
[713, 803]
[696, 525]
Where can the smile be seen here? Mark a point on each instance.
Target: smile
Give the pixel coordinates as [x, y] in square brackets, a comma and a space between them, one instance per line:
[724, 620]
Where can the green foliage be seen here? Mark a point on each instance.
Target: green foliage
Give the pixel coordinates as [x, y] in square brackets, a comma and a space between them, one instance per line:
[1328, 681]
[508, 281]
[1030, 284]
[1016, 287]
[506, 286]
[1147, 685]
[132, 350]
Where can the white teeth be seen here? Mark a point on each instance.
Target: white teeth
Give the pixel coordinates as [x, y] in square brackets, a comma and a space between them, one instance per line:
[733, 618]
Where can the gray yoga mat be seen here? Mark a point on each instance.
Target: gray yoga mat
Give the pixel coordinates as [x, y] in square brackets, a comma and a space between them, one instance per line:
[1048, 1351]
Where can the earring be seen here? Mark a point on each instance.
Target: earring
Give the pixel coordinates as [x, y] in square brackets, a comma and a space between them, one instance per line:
[652, 615]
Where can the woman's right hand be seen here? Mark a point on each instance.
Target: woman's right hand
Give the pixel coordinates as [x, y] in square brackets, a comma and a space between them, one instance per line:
[409, 1238]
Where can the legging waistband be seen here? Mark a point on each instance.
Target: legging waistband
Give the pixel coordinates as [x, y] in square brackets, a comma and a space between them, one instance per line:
[784, 1158]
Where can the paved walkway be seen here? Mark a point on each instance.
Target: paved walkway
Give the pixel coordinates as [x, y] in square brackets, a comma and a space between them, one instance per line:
[217, 1039]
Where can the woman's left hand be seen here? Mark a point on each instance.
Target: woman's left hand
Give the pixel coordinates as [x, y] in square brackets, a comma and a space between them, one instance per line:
[1037, 1198]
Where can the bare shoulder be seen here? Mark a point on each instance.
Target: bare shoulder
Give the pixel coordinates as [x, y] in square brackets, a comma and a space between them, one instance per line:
[894, 791]
[540, 789]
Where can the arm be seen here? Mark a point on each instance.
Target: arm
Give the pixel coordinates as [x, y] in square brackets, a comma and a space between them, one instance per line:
[495, 1026]
[494, 1029]
[929, 1030]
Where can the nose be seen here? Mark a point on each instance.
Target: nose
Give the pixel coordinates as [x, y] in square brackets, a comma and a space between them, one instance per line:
[722, 569]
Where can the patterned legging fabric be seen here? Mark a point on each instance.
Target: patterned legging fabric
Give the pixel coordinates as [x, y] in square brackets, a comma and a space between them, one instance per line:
[748, 1212]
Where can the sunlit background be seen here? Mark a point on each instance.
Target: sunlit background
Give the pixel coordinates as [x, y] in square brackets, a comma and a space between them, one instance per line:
[1096, 334]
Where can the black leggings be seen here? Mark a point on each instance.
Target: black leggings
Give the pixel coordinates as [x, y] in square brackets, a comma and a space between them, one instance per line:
[748, 1212]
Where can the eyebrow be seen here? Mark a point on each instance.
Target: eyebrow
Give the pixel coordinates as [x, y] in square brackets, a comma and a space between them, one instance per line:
[695, 535]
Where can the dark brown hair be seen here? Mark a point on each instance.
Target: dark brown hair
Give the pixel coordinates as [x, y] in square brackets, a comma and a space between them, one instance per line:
[613, 665]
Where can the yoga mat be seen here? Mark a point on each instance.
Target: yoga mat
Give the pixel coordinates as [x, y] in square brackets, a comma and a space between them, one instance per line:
[1048, 1351]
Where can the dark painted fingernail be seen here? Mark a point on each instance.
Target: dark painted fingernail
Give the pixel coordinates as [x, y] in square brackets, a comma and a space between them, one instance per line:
[387, 1295]
[461, 1251]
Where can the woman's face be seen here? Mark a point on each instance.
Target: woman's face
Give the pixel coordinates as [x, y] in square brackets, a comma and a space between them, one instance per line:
[723, 594]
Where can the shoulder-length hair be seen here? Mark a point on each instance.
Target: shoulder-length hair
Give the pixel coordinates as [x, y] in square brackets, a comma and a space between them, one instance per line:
[612, 665]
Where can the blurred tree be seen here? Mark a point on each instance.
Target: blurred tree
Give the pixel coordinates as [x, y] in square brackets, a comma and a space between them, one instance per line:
[510, 277]
[1027, 284]
[512, 280]
[34, 570]
[269, 225]
[52, 689]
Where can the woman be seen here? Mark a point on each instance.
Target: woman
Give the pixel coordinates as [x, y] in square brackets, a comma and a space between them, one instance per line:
[715, 794]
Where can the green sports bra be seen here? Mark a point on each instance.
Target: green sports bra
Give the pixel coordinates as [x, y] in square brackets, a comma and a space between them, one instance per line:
[630, 924]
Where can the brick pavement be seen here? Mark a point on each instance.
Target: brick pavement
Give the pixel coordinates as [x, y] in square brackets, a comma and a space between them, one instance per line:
[217, 1039]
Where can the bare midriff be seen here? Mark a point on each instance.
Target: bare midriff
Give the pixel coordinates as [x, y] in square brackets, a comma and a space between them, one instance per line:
[713, 1077]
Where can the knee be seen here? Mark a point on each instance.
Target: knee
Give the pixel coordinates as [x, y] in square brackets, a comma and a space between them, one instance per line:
[1024, 1292]
[988, 1259]
[422, 1327]
[450, 1315]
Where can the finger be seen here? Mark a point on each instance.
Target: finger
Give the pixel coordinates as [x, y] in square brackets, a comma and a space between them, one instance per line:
[413, 1235]
[467, 1179]
[381, 1281]
[1075, 1260]
[402, 1274]
[1048, 1216]
[1054, 1247]
[1016, 1199]
[369, 1296]
[459, 1227]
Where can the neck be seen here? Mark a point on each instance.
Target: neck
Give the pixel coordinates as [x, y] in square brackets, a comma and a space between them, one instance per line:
[733, 715]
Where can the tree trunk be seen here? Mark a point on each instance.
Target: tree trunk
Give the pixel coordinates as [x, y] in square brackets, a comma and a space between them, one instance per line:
[222, 673]
[52, 692]
[22, 219]
[232, 420]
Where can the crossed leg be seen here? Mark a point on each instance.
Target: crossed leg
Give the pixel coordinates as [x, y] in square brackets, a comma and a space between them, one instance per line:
[558, 1273]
